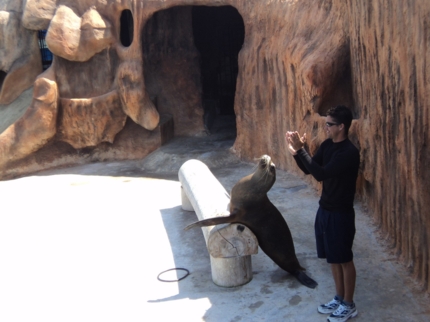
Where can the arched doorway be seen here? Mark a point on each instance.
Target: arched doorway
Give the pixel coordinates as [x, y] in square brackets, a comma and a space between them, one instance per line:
[218, 35]
[190, 62]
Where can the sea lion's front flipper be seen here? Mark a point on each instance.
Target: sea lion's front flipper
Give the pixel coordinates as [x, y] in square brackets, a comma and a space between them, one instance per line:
[305, 279]
[212, 221]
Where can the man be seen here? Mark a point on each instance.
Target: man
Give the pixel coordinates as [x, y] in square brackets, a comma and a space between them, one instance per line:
[335, 164]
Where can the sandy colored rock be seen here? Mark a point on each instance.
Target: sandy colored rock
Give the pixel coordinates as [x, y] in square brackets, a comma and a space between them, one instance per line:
[134, 98]
[20, 61]
[75, 38]
[132, 142]
[13, 6]
[106, 116]
[36, 127]
[20, 77]
[96, 34]
[74, 80]
[64, 33]
[38, 14]
[11, 34]
[10, 113]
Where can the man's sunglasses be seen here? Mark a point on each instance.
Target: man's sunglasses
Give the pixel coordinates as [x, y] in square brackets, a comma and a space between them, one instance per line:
[330, 124]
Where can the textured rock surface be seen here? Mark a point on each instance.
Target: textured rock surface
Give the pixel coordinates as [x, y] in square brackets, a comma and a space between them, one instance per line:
[390, 51]
[38, 14]
[78, 38]
[298, 58]
[19, 55]
[13, 6]
[135, 100]
[105, 113]
[11, 113]
[9, 33]
[36, 127]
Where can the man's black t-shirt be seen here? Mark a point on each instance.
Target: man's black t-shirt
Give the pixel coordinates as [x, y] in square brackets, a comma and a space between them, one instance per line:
[336, 165]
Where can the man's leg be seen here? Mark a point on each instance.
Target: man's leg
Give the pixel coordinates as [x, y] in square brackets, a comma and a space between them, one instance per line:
[344, 276]
[349, 276]
[337, 272]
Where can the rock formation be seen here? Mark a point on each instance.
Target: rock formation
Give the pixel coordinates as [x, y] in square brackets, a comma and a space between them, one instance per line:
[19, 53]
[126, 71]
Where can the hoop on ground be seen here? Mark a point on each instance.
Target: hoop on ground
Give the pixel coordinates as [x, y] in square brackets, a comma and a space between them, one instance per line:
[174, 269]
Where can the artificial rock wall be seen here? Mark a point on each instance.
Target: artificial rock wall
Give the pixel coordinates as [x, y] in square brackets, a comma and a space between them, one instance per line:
[108, 90]
[390, 42]
[372, 56]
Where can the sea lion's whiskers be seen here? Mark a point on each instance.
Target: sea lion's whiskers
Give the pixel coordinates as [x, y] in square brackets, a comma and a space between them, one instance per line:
[263, 178]
[266, 176]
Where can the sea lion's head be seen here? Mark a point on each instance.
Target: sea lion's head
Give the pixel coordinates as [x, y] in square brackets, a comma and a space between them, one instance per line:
[254, 187]
[265, 173]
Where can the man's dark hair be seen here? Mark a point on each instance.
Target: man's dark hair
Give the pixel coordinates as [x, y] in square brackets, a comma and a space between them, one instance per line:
[341, 114]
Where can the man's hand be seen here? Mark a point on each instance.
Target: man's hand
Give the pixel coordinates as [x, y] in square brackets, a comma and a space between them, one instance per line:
[289, 145]
[295, 142]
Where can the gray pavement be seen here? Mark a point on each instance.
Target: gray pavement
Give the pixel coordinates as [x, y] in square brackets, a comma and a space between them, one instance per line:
[87, 243]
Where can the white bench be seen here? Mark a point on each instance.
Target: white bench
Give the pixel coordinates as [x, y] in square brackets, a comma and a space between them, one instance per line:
[230, 246]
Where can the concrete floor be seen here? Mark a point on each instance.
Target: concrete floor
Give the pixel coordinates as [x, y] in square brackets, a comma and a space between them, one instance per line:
[87, 243]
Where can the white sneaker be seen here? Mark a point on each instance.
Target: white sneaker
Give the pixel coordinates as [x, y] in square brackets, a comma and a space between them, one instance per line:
[329, 307]
[343, 313]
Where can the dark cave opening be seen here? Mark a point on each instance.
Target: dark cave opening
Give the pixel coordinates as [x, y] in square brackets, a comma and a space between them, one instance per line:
[219, 34]
[191, 62]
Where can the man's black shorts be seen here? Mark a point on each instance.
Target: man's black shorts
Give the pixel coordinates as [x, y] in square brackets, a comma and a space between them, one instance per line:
[334, 232]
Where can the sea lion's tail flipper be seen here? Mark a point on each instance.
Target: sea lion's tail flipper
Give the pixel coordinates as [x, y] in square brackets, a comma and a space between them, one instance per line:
[211, 222]
[304, 279]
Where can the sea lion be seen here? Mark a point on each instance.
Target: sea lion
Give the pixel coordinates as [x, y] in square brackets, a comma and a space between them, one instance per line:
[250, 206]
